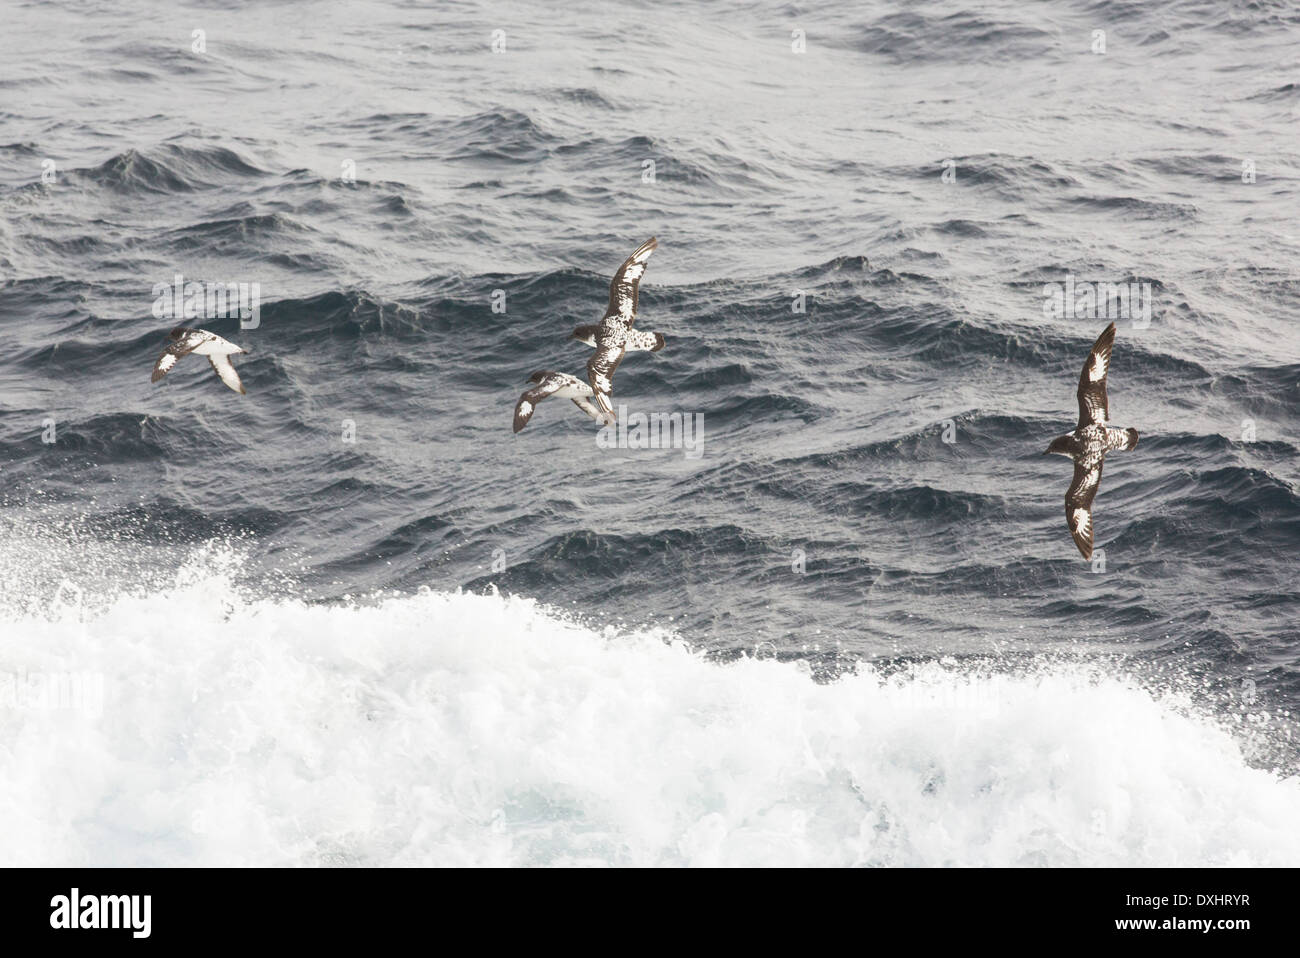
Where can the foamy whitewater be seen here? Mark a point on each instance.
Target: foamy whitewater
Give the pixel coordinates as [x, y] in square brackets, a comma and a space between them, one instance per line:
[458, 729]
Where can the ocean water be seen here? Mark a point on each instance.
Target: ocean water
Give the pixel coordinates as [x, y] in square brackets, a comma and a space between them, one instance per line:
[351, 618]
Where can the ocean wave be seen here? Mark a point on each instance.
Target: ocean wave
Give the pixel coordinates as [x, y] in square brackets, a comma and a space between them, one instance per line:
[169, 168]
[453, 729]
[1004, 175]
[1281, 94]
[487, 136]
[915, 36]
[672, 555]
[1136, 207]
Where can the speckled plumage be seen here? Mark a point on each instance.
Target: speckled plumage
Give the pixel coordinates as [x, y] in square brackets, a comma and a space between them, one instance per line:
[201, 343]
[1091, 441]
[615, 336]
[560, 385]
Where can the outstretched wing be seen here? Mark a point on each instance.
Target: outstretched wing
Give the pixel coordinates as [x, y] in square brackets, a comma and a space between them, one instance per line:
[623, 288]
[529, 400]
[182, 347]
[226, 370]
[638, 340]
[600, 372]
[1078, 506]
[589, 409]
[1093, 406]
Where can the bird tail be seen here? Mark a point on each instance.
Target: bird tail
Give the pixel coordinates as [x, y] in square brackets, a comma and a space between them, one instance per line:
[602, 403]
[1131, 438]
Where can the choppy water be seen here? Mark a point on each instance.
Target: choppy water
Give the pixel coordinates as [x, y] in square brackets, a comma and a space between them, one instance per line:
[381, 174]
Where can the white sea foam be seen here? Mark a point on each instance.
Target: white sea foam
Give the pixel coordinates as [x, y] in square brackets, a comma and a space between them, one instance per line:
[450, 729]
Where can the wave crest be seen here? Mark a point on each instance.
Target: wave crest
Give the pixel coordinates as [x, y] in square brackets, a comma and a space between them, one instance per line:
[455, 729]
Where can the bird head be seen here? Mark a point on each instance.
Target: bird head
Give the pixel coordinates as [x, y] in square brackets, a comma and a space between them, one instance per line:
[177, 333]
[538, 376]
[584, 334]
[1060, 445]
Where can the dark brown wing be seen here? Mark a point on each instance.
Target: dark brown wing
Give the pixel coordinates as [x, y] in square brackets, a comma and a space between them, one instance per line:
[623, 288]
[182, 347]
[1093, 406]
[1078, 506]
[528, 401]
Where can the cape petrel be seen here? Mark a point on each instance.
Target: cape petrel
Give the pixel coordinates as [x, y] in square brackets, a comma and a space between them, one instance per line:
[1090, 442]
[201, 343]
[561, 385]
[614, 336]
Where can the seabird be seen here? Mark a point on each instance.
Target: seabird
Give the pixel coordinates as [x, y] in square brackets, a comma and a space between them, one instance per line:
[1090, 442]
[561, 385]
[614, 335]
[202, 343]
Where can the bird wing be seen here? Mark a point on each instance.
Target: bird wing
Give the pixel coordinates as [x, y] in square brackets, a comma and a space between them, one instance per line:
[182, 347]
[623, 288]
[638, 340]
[226, 370]
[529, 400]
[600, 372]
[1093, 406]
[1078, 506]
[589, 409]
[1123, 439]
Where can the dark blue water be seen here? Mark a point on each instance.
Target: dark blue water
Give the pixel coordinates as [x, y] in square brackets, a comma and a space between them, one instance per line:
[381, 172]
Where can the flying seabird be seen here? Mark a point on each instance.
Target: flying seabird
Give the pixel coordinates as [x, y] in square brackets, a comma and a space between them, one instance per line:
[1090, 442]
[551, 383]
[202, 343]
[614, 335]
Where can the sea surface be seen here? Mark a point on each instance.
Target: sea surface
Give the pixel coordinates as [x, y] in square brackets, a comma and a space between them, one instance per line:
[351, 618]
